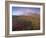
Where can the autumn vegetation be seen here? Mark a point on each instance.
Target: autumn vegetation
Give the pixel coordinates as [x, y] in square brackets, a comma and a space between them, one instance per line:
[26, 22]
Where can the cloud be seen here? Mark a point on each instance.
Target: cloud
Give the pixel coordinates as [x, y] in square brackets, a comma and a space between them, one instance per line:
[24, 11]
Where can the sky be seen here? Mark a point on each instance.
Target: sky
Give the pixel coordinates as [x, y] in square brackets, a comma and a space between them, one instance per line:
[24, 10]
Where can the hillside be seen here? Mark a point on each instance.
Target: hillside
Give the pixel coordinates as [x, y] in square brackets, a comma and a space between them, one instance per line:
[26, 22]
